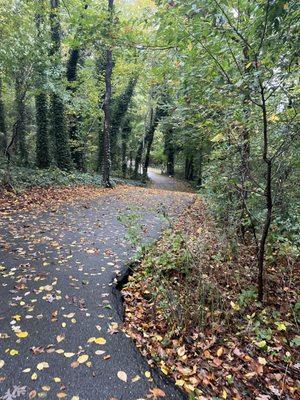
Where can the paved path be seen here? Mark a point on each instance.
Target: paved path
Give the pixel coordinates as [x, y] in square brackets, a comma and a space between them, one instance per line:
[164, 182]
[60, 316]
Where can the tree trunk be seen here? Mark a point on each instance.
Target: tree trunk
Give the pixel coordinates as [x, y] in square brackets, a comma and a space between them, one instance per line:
[269, 200]
[138, 159]
[3, 131]
[118, 114]
[58, 128]
[189, 168]
[169, 151]
[42, 139]
[148, 142]
[106, 167]
[73, 118]
[21, 121]
[125, 136]
[41, 107]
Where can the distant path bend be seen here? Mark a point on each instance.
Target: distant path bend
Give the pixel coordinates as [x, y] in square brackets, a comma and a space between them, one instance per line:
[164, 182]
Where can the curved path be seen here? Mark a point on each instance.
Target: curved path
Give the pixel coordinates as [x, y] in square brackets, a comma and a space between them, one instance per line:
[164, 182]
[60, 315]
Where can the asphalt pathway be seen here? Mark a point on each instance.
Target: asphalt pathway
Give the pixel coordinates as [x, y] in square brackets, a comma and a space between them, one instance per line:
[60, 314]
[164, 182]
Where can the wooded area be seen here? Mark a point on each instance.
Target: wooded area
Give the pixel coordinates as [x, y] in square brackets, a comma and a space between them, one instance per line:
[206, 90]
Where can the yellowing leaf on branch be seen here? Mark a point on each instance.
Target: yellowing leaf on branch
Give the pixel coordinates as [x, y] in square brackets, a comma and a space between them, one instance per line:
[218, 138]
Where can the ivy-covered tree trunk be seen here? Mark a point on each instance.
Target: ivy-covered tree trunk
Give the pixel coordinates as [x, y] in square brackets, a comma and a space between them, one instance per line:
[21, 121]
[126, 129]
[119, 111]
[58, 127]
[41, 108]
[169, 150]
[42, 138]
[100, 67]
[106, 164]
[73, 118]
[189, 168]
[148, 141]
[155, 117]
[138, 159]
[3, 131]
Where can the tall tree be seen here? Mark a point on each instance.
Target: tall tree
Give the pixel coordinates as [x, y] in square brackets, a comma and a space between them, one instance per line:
[73, 117]
[3, 131]
[21, 118]
[169, 149]
[125, 133]
[59, 132]
[106, 163]
[119, 110]
[41, 102]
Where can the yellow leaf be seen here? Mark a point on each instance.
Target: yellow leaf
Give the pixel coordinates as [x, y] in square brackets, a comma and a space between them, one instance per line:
[189, 387]
[61, 395]
[220, 351]
[122, 376]
[69, 355]
[13, 352]
[82, 359]
[262, 360]
[22, 335]
[234, 306]
[261, 344]
[75, 398]
[281, 326]
[273, 118]
[179, 382]
[136, 378]
[164, 370]
[181, 351]
[34, 376]
[42, 365]
[218, 138]
[100, 340]
[60, 338]
[224, 394]
[57, 380]
[147, 374]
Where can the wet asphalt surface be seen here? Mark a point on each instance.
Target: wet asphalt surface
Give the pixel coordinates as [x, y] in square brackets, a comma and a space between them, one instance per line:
[60, 314]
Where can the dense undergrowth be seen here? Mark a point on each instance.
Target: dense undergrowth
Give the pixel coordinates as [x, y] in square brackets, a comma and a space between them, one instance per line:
[23, 178]
[191, 308]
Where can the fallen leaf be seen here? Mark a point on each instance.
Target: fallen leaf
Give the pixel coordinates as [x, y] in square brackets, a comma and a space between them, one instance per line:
[82, 359]
[100, 340]
[42, 365]
[122, 376]
[22, 335]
